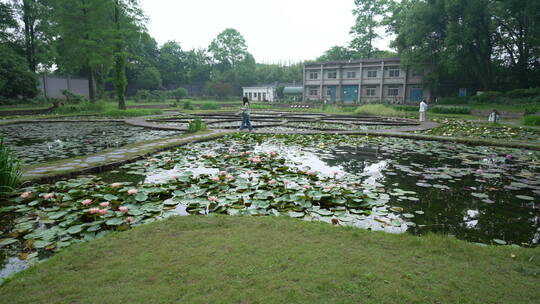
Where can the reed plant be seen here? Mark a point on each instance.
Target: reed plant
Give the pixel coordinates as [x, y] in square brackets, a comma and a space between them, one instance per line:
[10, 173]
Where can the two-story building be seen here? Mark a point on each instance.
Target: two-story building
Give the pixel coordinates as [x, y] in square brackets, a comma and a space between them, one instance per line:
[366, 81]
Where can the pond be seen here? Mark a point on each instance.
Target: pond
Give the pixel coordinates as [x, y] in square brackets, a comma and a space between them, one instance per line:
[45, 141]
[487, 195]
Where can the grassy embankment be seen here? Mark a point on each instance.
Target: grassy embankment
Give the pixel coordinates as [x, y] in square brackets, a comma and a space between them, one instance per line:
[219, 259]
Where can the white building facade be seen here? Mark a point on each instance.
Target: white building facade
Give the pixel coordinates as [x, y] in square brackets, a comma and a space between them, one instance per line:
[364, 81]
[260, 93]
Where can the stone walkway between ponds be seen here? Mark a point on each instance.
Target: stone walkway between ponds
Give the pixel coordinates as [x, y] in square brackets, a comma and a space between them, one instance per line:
[110, 158]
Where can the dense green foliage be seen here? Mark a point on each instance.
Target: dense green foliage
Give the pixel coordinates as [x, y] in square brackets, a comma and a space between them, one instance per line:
[9, 170]
[16, 80]
[196, 125]
[531, 120]
[449, 110]
[210, 106]
[179, 93]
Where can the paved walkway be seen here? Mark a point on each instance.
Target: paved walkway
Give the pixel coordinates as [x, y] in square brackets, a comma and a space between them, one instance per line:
[111, 158]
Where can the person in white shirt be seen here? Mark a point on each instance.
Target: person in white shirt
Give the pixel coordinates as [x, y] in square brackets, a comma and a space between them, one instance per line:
[423, 109]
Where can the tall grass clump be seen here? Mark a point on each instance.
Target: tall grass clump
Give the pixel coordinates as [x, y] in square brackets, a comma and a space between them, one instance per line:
[531, 120]
[376, 110]
[130, 112]
[196, 125]
[10, 173]
[258, 106]
[210, 106]
[82, 108]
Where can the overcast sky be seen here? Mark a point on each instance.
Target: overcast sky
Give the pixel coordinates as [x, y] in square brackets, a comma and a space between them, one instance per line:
[274, 29]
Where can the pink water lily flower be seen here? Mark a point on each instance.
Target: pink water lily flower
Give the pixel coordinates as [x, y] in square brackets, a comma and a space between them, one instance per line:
[273, 154]
[222, 172]
[479, 171]
[103, 211]
[212, 198]
[49, 196]
[123, 209]
[272, 182]
[154, 160]
[26, 194]
[229, 177]
[307, 187]
[249, 172]
[231, 150]
[329, 187]
[132, 191]
[286, 182]
[104, 204]
[509, 156]
[335, 172]
[93, 210]
[309, 172]
[215, 178]
[129, 219]
[116, 185]
[86, 202]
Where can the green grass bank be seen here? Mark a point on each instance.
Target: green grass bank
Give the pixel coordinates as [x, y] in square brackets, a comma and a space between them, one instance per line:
[220, 259]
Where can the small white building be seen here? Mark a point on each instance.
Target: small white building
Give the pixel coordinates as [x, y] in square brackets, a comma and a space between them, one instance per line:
[260, 93]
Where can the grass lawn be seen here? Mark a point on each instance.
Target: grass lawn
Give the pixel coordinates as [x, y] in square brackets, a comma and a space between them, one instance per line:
[220, 259]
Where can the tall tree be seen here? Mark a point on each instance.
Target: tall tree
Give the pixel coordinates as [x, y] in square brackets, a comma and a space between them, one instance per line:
[228, 48]
[8, 23]
[86, 43]
[171, 64]
[338, 53]
[36, 16]
[369, 15]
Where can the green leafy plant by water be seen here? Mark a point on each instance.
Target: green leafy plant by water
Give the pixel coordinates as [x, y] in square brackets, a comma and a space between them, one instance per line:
[196, 125]
[9, 170]
[531, 120]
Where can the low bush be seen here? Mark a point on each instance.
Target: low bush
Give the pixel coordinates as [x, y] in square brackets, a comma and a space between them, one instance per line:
[532, 109]
[10, 173]
[489, 97]
[73, 98]
[210, 106]
[376, 110]
[450, 110]
[523, 93]
[188, 105]
[407, 108]
[453, 100]
[531, 120]
[196, 125]
[130, 112]
[81, 108]
[260, 106]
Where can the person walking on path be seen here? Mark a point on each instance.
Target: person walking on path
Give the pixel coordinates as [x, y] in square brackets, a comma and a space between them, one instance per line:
[423, 109]
[245, 115]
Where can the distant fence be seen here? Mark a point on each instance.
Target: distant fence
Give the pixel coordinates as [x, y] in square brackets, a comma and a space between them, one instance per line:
[52, 86]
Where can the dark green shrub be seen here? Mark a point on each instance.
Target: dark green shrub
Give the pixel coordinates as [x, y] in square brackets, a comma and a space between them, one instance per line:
[10, 173]
[143, 95]
[523, 93]
[450, 110]
[73, 98]
[196, 125]
[210, 106]
[188, 105]
[453, 100]
[407, 108]
[532, 109]
[531, 120]
[179, 93]
[489, 97]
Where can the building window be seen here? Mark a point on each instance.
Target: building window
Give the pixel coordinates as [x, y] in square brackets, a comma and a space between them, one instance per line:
[264, 96]
[313, 75]
[370, 91]
[313, 92]
[351, 74]
[332, 75]
[250, 96]
[393, 91]
[372, 73]
[393, 72]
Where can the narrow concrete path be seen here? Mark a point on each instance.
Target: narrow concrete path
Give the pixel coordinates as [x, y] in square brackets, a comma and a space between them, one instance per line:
[110, 158]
